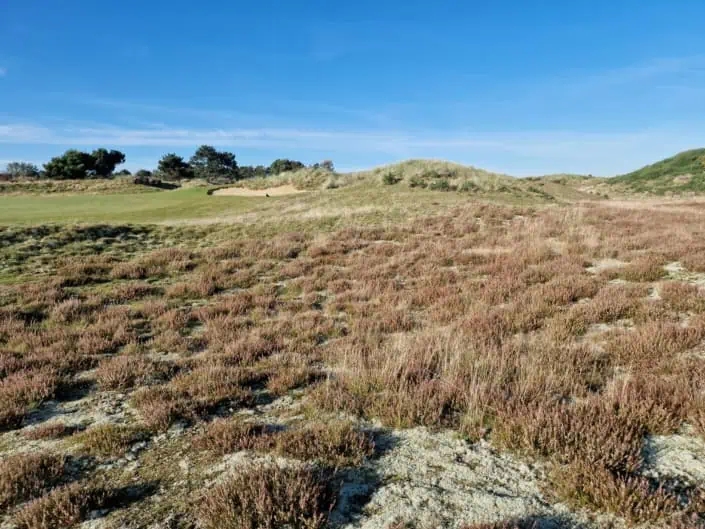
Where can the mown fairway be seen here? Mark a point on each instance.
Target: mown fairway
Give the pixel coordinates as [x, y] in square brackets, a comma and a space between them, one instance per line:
[139, 207]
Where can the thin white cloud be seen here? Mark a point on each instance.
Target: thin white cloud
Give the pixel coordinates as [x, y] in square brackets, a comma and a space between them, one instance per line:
[3, 71]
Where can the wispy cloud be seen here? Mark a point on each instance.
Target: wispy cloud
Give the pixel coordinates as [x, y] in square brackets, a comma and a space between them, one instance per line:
[3, 71]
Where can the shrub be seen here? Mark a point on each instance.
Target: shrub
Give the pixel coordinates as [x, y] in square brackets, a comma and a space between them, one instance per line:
[417, 181]
[634, 497]
[337, 444]
[228, 436]
[26, 476]
[192, 394]
[468, 187]
[389, 179]
[125, 372]
[22, 390]
[63, 507]
[441, 185]
[268, 497]
[53, 430]
[108, 439]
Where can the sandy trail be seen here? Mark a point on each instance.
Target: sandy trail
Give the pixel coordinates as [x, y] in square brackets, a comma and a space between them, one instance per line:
[272, 191]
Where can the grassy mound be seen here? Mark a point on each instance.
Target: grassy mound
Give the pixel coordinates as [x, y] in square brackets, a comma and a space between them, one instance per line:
[684, 172]
[436, 174]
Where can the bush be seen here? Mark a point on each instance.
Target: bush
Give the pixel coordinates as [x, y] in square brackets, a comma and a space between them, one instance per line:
[267, 497]
[173, 167]
[22, 170]
[389, 179]
[417, 181]
[441, 185]
[63, 507]
[468, 187]
[109, 439]
[26, 476]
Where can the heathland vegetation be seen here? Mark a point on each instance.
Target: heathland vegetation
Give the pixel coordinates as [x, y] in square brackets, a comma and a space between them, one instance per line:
[420, 345]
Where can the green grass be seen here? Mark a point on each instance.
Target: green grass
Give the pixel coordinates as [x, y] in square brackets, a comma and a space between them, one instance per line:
[138, 208]
[366, 202]
[660, 177]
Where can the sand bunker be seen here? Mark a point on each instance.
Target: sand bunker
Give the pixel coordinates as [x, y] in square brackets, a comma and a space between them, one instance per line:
[244, 192]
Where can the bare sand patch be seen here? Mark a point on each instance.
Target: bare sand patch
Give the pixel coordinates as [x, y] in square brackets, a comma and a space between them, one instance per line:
[272, 191]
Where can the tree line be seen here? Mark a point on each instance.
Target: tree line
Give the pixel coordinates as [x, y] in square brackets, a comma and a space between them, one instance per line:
[207, 163]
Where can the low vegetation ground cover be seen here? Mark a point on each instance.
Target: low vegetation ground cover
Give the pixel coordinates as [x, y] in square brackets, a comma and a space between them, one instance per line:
[234, 374]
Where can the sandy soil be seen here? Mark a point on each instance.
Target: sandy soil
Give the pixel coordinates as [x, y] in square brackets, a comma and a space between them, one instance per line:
[272, 191]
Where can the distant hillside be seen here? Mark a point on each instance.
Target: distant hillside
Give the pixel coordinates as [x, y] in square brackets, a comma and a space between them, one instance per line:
[682, 173]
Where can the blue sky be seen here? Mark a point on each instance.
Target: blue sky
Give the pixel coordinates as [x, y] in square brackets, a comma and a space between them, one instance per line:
[521, 86]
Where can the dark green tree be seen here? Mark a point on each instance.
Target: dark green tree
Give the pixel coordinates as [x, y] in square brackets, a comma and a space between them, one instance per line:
[72, 165]
[283, 165]
[248, 171]
[22, 170]
[173, 167]
[105, 161]
[209, 163]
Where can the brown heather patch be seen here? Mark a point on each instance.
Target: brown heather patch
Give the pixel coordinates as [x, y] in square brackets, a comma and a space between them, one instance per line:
[129, 270]
[125, 372]
[26, 476]
[79, 272]
[509, 524]
[193, 394]
[52, 430]
[336, 444]
[267, 497]
[196, 287]
[21, 391]
[682, 297]
[234, 347]
[591, 432]
[160, 407]
[694, 262]
[63, 507]
[653, 344]
[291, 377]
[127, 292]
[173, 342]
[108, 439]
[644, 269]
[71, 310]
[633, 497]
[227, 436]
